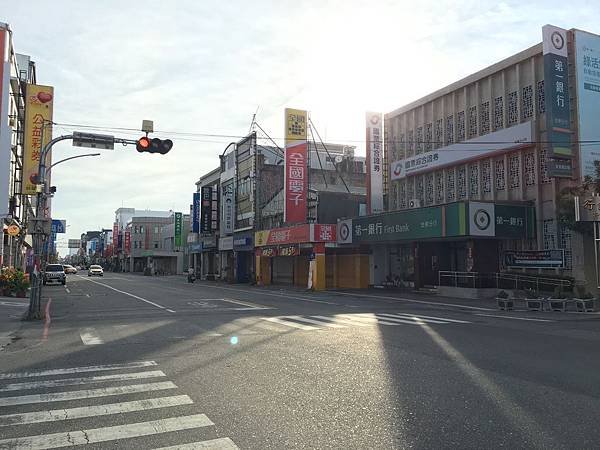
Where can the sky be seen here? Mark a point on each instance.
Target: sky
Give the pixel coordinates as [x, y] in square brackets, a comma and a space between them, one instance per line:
[201, 69]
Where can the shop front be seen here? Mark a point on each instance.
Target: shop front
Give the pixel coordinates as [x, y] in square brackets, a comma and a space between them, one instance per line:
[226, 259]
[243, 247]
[209, 267]
[411, 247]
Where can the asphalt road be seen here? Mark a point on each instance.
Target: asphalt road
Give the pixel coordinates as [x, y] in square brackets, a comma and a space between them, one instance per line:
[135, 362]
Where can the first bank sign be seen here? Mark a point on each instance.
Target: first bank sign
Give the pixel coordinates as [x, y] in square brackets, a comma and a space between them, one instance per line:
[498, 142]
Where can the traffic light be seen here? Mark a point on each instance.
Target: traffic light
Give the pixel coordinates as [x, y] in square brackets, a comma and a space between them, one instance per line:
[156, 145]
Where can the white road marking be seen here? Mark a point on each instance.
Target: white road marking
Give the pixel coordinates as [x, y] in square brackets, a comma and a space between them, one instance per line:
[57, 415]
[130, 295]
[68, 290]
[315, 322]
[88, 295]
[3, 303]
[409, 320]
[213, 444]
[367, 317]
[85, 380]
[343, 320]
[83, 394]
[290, 324]
[90, 337]
[409, 300]
[239, 302]
[51, 372]
[262, 292]
[421, 316]
[105, 434]
[515, 318]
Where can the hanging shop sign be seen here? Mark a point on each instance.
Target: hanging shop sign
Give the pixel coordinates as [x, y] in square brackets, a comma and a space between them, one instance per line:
[296, 159]
[535, 259]
[206, 209]
[228, 208]
[13, 230]
[374, 126]
[196, 212]
[178, 227]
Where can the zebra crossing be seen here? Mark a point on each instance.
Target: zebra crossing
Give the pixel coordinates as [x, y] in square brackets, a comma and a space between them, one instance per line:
[100, 395]
[312, 323]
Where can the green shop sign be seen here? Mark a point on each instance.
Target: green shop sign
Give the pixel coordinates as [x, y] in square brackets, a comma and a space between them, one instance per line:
[451, 220]
[178, 225]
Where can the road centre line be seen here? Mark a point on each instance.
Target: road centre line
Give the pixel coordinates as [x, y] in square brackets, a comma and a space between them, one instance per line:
[515, 318]
[51, 372]
[409, 300]
[85, 394]
[94, 435]
[57, 415]
[129, 294]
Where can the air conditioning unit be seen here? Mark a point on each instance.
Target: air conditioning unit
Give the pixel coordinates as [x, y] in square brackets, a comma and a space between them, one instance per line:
[414, 203]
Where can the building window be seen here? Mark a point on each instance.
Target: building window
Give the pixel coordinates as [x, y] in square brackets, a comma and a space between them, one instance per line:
[420, 189]
[485, 118]
[450, 194]
[473, 180]
[428, 137]
[411, 140]
[402, 149]
[566, 245]
[394, 197]
[527, 102]
[429, 188]
[155, 244]
[156, 230]
[541, 98]
[513, 115]
[529, 169]
[514, 172]
[410, 188]
[549, 231]
[460, 126]
[402, 194]
[450, 129]
[486, 176]
[135, 230]
[500, 175]
[498, 113]
[439, 187]
[419, 140]
[472, 122]
[438, 133]
[141, 228]
[462, 182]
[544, 166]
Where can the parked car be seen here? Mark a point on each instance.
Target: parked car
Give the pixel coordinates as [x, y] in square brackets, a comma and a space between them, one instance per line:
[95, 270]
[69, 269]
[55, 273]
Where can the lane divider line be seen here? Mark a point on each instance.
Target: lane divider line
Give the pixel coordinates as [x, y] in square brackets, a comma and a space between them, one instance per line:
[129, 294]
[515, 318]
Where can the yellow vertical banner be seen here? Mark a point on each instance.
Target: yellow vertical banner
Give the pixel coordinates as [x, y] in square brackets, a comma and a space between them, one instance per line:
[38, 112]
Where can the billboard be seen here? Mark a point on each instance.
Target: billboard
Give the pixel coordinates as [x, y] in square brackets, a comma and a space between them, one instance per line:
[115, 236]
[74, 243]
[38, 111]
[5, 131]
[535, 259]
[178, 227]
[587, 74]
[296, 167]
[206, 209]
[127, 242]
[556, 92]
[500, 141]
[196, 213]
[374, 125]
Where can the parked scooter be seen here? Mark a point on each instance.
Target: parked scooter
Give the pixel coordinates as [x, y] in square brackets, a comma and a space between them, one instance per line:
[191, 276]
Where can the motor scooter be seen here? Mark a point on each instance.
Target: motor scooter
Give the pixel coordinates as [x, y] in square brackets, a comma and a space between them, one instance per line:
[191, 277]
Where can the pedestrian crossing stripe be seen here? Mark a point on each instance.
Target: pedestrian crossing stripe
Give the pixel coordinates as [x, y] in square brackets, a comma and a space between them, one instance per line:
[134, 429]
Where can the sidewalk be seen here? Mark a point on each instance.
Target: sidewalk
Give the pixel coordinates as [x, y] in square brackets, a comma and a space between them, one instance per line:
[11, 313]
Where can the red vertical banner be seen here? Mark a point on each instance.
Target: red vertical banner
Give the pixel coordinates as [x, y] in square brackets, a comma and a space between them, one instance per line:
[115, 237]
[296, 183]
[127, 242]
[296, 166]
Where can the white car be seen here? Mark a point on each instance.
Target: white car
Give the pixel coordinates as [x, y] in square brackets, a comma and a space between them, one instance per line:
[95, 270]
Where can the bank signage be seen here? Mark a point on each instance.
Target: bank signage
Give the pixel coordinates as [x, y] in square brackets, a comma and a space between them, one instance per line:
[535, 259]
[500, 141]
[178, 227]
[374, 126]
[455, 219]
[587, 208]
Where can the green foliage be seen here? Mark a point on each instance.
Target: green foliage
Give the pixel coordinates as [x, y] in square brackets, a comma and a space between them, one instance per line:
[13, 280]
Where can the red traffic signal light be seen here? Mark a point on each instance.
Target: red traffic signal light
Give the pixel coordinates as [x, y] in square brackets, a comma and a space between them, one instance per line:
[156, 145]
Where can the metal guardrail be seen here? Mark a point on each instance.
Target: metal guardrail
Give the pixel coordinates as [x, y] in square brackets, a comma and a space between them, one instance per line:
[500, 280]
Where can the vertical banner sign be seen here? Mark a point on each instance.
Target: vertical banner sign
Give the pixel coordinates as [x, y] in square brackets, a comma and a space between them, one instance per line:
[196, 213]
[127, 242]
[556, 91]
[374, 142]
[214, 210]
[227, 209]
[178, 225]
[296, 176]
[116, 236]
[38, 111]
[205, 209]
[5, 132]
[587, 69]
